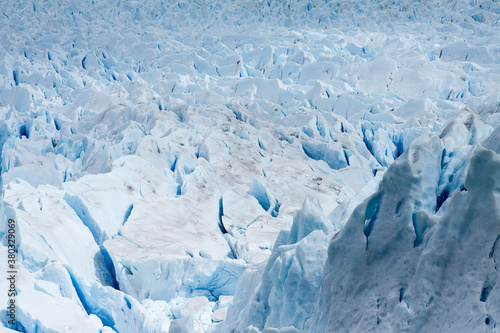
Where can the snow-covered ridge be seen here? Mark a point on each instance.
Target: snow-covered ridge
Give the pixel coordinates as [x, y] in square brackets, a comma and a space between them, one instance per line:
[153, 151]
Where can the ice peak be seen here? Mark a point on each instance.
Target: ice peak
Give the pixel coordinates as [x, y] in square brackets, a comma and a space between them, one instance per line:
[308, 219]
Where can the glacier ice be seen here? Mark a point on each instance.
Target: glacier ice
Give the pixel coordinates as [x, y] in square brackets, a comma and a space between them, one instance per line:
[418, 264]
[163, 157]
[405, 255]
[290, 281]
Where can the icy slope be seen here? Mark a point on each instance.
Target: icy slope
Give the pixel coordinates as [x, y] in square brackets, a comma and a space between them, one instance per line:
[284, 292]
[153, 151]
[419, 256]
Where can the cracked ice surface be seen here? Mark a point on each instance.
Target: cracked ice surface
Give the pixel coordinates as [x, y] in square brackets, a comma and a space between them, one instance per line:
[152, 152]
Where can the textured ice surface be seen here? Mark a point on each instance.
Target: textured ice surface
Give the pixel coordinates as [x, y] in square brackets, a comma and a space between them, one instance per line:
[417, 257]
[291, 279]
[153, 152]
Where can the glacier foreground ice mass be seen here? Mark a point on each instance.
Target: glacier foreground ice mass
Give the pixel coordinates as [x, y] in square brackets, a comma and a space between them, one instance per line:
[420, 254]
[416, 256]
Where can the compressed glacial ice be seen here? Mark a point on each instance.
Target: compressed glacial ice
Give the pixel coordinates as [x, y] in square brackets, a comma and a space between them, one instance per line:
[162, 157]
[418, 262]
[422, 246]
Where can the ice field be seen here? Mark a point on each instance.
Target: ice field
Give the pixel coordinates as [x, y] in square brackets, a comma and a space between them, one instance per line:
[251, 166]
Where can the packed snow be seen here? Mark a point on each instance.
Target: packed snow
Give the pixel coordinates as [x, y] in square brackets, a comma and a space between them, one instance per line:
[251, 166]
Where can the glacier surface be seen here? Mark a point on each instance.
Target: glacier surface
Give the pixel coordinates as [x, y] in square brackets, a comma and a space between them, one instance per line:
[251, 166]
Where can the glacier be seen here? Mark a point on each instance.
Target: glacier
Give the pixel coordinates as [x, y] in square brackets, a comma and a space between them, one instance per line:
[415, 255]
[250, 166]
[428, 262]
